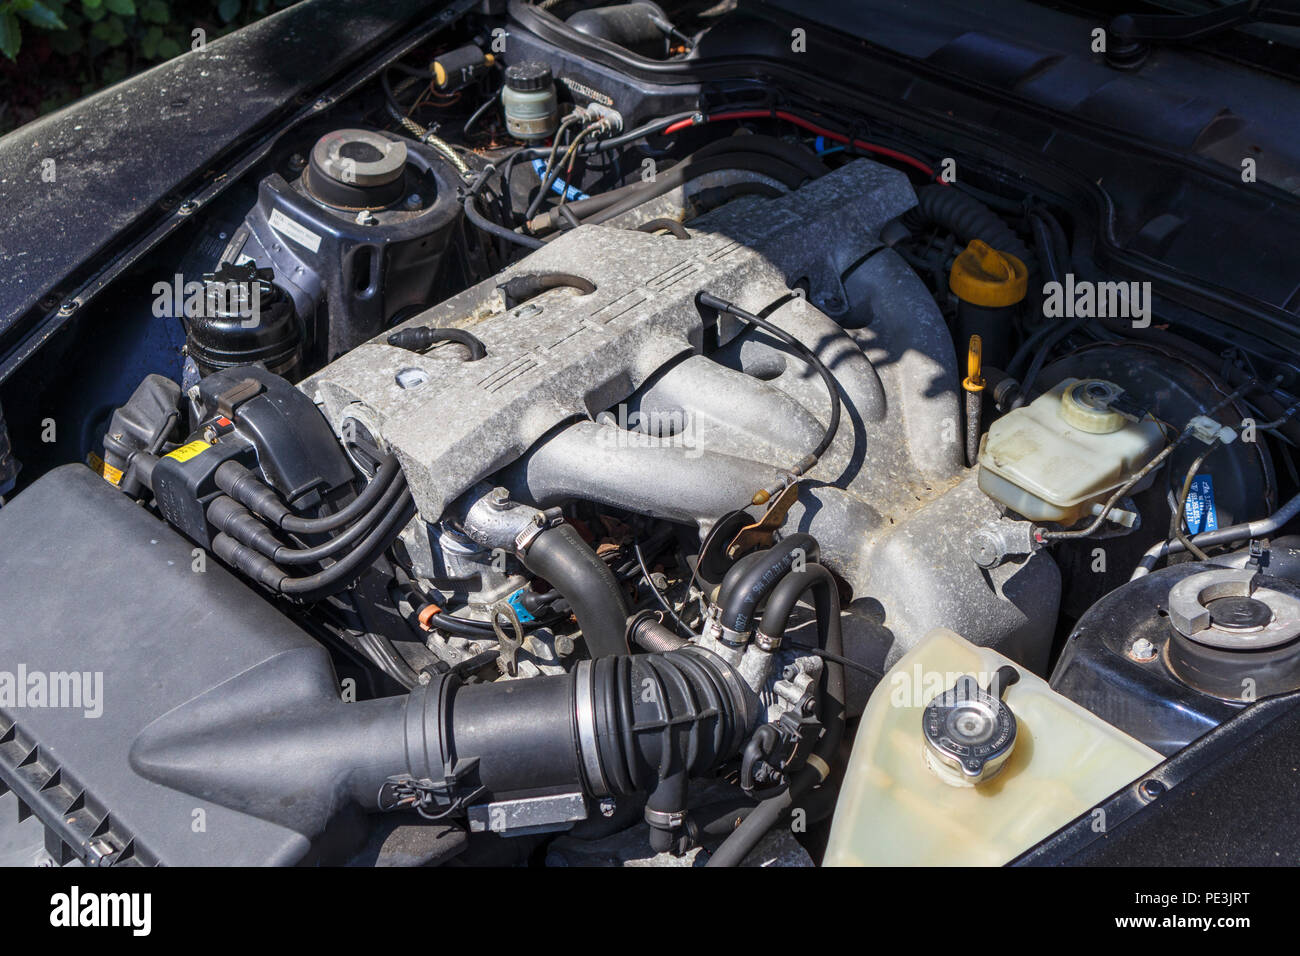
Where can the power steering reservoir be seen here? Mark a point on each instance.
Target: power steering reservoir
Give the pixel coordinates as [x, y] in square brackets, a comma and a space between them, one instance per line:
[1060, 457]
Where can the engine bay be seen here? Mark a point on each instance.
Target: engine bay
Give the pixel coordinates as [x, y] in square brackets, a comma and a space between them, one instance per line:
[544, 457]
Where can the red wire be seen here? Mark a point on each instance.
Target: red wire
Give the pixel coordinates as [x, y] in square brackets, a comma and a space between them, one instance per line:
[812, 128]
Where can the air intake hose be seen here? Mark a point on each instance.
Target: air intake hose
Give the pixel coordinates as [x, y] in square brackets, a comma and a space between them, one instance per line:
[614, 726]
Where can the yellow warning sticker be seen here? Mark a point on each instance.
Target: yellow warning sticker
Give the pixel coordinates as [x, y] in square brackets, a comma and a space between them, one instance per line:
[186, 452]
[102, 468]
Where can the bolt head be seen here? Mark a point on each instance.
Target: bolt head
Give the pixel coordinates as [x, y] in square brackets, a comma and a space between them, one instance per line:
[607, 807]
[1151, 789]
[1142, 650]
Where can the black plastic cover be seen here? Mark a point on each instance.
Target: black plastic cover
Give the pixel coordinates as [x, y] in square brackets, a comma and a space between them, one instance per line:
[92, 583]
[296, 449]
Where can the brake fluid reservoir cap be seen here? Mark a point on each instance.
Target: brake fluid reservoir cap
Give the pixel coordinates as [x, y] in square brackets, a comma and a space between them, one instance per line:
[1088, 406]
[981, 275]
[969, 732]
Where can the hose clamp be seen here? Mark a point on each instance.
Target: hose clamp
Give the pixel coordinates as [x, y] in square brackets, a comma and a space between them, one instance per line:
[542, 521]
[732, 638]
[765, 642]
[588, 744]
[665, 819]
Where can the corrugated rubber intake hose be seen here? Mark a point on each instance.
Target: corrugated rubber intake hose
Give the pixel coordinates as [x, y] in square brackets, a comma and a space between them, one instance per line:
[560, 557]
[968, 218]
[611, 727]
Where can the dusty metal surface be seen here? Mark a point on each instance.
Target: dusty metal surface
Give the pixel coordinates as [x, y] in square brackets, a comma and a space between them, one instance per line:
[605, 396]
[564, 355]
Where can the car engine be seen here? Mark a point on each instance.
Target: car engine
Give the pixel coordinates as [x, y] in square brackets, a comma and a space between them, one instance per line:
[549, 454]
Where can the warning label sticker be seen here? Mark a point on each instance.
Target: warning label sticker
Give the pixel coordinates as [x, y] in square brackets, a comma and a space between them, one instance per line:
[186, 452]
[298, 233]
[1199, 509]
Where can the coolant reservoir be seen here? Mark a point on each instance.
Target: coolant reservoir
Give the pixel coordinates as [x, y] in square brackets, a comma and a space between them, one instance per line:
[1061, 456]
[958, 763]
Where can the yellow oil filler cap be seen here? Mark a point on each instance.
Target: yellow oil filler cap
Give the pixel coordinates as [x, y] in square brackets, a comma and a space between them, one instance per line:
[983, 276]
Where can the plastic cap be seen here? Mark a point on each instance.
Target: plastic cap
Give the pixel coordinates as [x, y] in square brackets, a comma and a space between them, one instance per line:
[525, 77]
[983, 276]
[1086, 405]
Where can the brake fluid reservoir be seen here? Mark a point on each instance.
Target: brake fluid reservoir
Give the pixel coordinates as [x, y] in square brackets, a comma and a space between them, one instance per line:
[1061, 456]
[963, 758]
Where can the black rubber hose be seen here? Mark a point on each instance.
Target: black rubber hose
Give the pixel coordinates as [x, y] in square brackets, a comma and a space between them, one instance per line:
[669, 225]
[479, 220]
[1045, 246]
[632, 135]
[462, 627]
[419, 338]
[479, 113]
[968, 218]
[752, 579]
[560, 557]
[752, 829]
[715, 821]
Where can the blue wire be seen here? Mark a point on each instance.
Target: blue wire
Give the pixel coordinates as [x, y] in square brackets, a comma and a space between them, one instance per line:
[558, 185]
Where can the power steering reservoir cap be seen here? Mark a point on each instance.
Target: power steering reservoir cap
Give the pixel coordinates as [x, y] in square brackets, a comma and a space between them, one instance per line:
[969, 732]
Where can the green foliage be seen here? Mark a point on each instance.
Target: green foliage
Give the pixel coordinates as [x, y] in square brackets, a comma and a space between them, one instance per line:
[55, 51]
[122, 36]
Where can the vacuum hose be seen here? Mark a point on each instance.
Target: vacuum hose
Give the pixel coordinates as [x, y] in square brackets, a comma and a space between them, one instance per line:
[752, 578]
[826, 600]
